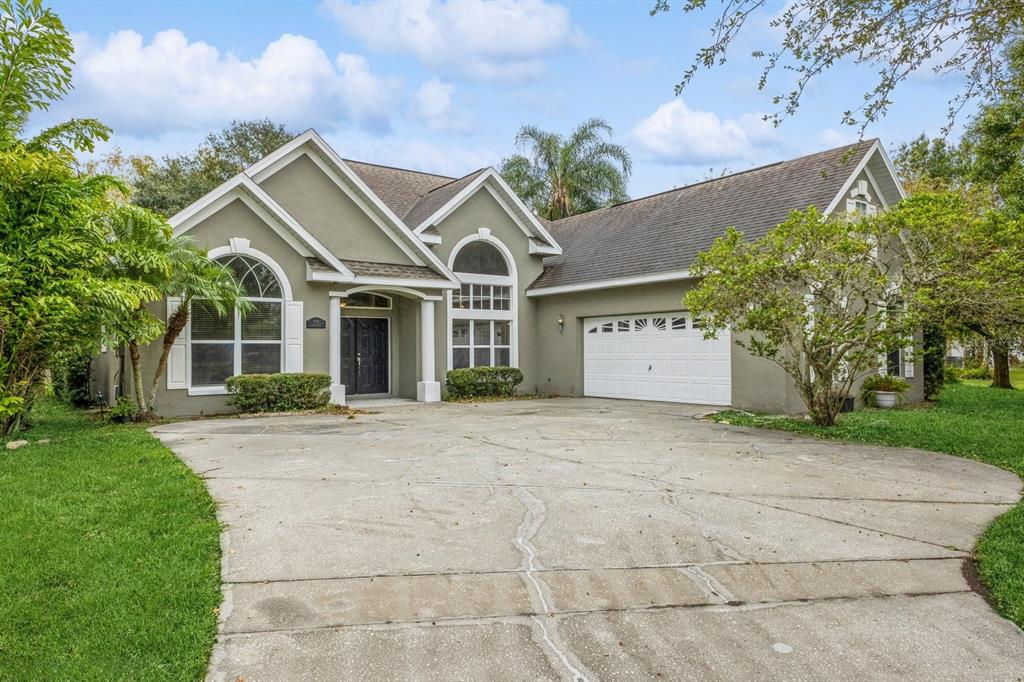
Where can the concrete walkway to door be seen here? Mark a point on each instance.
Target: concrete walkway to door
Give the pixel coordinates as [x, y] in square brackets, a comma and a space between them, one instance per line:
[591, 539]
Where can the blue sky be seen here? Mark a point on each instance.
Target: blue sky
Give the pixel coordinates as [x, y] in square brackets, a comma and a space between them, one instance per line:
[443, 87]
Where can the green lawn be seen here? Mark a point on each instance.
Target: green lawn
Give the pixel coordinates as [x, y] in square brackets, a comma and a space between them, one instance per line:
[1016, 378]
[109, 556]
[986, 424]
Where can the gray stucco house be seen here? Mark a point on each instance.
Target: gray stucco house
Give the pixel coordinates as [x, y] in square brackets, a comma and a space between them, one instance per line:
[386, 278]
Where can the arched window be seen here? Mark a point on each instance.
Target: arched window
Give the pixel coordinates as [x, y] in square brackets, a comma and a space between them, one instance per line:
[480, 258]
[482, 309]
[226, 344]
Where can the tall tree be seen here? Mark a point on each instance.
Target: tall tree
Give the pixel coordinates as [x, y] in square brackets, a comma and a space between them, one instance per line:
[54, 284]
[563, 176]
[176, 181]
[814, 295]
[929, 161]
[897, 38]
[964, 260]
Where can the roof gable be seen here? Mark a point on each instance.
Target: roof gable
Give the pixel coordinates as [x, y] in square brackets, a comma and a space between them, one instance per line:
[311, 144]
[263, 205]
[662, 234]
[306, 191]
[441, 202]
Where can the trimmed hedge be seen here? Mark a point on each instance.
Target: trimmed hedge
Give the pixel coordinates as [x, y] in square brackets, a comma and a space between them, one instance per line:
[481, 382]
[279, 392]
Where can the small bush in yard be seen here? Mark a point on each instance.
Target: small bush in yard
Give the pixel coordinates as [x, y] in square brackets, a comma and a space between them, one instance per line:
[976, 373]
[279, 392]
[951, 375]
[482, 382]
[123, 411]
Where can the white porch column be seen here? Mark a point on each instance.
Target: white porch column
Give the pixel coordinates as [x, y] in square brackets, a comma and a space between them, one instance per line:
[428, 390]
[334, 349]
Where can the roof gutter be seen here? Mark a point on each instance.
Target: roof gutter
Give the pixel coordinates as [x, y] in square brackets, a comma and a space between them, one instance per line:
[672, 276]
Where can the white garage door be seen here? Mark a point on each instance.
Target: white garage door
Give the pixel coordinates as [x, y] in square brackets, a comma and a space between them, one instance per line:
[655, 357]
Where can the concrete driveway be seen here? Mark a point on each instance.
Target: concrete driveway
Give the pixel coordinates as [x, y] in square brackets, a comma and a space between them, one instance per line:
[591, 539]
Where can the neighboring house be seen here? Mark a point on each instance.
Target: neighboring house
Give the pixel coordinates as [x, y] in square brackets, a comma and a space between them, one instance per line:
[387, 278]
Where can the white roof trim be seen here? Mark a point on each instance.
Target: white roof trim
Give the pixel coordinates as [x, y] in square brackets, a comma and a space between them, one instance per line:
[532, 226]
[876, 148]
[391, 288]
[242, 187]
[269, 164]
[611, 283]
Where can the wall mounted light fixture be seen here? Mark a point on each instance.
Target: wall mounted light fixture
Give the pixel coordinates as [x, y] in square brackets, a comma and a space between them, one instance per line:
[561, 322]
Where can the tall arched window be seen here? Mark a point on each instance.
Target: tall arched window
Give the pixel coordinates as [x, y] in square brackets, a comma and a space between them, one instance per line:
[225, 345]
[483, 308]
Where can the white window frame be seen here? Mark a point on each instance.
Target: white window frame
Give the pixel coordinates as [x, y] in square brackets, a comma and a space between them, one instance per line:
[512, 314]
[289, 307]
[389, 306]
[238, 341]
[472, 346]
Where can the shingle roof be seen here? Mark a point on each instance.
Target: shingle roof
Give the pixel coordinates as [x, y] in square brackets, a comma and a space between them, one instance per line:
[362, 268]
[436, 198]
[398, 188]
[665, 232]
[369, 269]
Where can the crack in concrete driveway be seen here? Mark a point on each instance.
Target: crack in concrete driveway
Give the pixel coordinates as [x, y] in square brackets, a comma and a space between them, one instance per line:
[591, 539]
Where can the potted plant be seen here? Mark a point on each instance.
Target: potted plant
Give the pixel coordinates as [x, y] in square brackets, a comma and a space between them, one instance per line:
[883, 390]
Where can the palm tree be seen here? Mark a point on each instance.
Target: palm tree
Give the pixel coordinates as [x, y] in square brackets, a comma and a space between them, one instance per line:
[560, 177]
[194, 276]
[146, 252]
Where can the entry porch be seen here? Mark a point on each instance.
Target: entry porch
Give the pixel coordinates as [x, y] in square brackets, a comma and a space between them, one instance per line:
[381, 343]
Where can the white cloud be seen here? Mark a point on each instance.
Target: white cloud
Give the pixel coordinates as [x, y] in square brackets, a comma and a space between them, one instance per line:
[503, 40]
[675, 133]
[174, 83]
[414, 153]
[434, 104]
[830, 137]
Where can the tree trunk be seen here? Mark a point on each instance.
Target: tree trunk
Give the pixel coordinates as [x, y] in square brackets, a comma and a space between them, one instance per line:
[175, 325]
[140, 392]
[1000, 365]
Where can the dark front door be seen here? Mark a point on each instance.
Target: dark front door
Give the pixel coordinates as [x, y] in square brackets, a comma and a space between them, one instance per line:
[364, 355]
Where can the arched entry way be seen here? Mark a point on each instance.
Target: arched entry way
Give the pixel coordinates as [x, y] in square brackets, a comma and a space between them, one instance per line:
[382, 343]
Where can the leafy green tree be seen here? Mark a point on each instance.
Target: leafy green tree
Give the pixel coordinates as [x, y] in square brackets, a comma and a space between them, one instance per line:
[35, 62]
[559, 177]
[813, 296]
[55, 287]
[964, 259]
[896, 38]
[928, 160]
[143, 249]
[176, 181]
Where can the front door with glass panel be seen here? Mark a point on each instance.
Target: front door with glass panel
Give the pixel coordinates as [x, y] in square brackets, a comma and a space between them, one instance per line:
[364, 355]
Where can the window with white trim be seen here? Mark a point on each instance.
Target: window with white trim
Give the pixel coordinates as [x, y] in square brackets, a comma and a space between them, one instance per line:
[860, 202]
[482, 309]
[225, 343]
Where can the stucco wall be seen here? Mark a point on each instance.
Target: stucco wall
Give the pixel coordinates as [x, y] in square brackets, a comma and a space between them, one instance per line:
[313, 199]
[481, 210]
